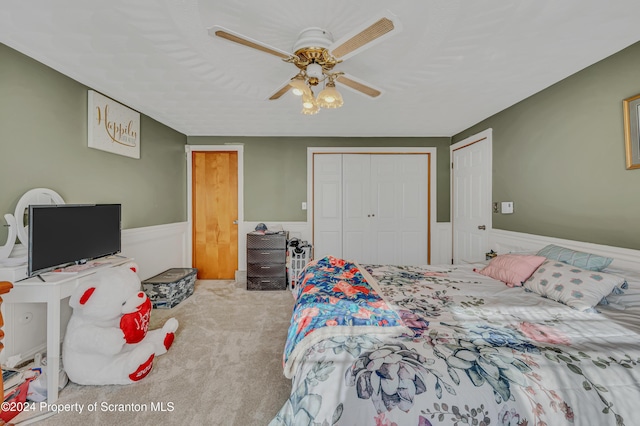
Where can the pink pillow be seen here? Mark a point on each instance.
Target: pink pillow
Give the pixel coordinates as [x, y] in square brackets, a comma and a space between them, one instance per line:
[512, 269]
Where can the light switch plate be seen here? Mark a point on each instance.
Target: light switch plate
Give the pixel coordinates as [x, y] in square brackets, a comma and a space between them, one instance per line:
[506, 207]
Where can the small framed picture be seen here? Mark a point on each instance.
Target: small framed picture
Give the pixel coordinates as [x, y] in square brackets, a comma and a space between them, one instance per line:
[631, 109]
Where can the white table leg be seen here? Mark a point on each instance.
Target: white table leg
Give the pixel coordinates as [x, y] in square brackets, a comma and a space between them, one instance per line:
[53, 348]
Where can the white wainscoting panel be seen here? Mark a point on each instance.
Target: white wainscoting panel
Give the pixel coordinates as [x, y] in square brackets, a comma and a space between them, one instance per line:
[517, 242]
[157, 248]
[441, 244]
[440, 239]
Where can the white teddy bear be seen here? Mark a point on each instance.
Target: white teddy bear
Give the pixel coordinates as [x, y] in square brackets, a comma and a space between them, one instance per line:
[107, 341]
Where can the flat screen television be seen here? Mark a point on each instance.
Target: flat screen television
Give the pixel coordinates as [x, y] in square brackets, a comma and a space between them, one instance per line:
[64, 234]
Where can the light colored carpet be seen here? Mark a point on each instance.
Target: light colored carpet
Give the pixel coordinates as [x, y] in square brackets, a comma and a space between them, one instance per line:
[224, 368]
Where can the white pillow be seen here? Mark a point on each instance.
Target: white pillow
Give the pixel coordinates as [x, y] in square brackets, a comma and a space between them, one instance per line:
[581, 289]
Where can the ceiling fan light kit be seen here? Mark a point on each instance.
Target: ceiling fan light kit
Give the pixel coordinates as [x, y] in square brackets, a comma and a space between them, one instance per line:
[315, 55]
[299, 85]
[308, 100]
[309, 105]
[330, 97]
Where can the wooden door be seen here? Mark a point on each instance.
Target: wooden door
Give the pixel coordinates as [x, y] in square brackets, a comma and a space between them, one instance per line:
[215, 214]
[471, 198]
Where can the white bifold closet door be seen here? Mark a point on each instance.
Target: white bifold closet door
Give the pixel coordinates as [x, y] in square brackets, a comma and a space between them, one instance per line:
[372, 208]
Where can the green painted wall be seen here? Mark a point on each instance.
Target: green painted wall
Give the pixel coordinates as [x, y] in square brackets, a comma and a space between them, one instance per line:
[559, 155]
[275, 171]
[43, 143]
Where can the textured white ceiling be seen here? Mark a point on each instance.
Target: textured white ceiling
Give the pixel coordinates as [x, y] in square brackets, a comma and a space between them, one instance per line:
[454, 63]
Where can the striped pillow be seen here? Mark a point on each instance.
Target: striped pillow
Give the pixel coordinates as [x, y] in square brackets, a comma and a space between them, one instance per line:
[591, 262]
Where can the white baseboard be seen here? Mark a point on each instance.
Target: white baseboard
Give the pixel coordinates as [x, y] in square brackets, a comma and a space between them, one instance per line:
[508, 241]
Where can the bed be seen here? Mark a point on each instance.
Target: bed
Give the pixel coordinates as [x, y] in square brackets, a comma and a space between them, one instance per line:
[403, 345]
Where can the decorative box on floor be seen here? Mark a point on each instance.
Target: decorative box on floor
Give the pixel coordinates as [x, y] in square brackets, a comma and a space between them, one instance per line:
[171, 287]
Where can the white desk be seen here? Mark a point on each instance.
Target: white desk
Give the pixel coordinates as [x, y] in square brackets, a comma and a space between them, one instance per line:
[57, 287]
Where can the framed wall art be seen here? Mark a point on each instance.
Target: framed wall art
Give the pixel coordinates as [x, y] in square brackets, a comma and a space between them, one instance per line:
[631, 108]
[113, 127]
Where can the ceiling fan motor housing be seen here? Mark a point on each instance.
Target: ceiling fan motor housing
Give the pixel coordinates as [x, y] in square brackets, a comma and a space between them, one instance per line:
[311, 48]
[313, 37]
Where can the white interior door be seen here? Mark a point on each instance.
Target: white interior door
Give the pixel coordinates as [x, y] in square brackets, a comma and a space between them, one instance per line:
[372, 205]
[400, 225]
[327, 205]
[386, 216]
[471, 197]
[357, 219]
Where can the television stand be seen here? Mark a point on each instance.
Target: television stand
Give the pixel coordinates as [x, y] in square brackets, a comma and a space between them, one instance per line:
[79, 267]
[57, 286]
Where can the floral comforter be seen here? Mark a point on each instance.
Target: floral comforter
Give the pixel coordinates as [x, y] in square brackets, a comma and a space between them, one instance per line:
[474, 351]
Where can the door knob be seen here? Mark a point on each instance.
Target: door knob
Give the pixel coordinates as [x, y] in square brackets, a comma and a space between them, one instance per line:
[482, 227]
[235, 222]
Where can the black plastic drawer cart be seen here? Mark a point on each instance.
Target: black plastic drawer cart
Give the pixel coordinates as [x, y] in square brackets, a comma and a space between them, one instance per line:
[266, 261]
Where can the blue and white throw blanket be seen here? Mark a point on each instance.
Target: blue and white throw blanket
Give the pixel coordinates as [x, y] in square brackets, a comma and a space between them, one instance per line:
[333, 298]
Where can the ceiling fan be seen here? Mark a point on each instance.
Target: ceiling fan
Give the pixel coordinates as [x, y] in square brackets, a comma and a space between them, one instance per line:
[315, 56]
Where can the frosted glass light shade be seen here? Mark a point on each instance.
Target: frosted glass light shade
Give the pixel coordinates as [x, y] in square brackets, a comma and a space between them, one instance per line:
[311, 110]
[308, 101]
[309, 105]
[299, 87]
[330, 98]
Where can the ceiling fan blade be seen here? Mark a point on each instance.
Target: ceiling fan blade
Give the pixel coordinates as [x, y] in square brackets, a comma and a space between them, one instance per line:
[277, 95]
[217, 31]
[375, 30]
[357, 85]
